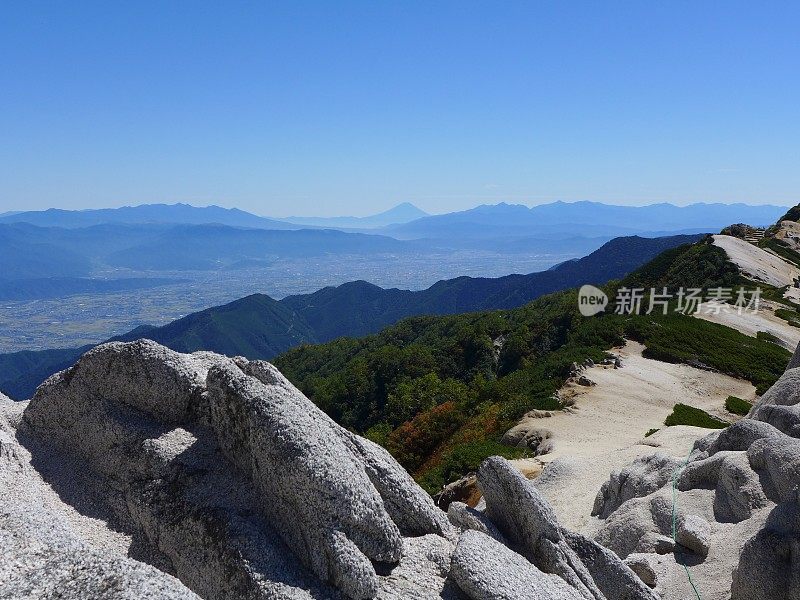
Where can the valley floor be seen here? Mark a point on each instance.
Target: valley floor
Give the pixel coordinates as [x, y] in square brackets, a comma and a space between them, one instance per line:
[91, 318]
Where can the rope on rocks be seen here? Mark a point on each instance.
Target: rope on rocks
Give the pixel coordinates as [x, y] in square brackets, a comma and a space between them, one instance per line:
[675, 475]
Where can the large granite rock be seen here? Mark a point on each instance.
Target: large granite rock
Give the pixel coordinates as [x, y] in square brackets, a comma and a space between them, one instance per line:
[780, 405]
[145, 473]
[40, 554]
[527, 520]
[644, 476]
[321, 487]
[769, 565]
[487, 570]
[226, 476]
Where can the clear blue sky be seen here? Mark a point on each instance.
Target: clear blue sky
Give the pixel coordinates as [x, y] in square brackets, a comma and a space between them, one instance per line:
[350, 107]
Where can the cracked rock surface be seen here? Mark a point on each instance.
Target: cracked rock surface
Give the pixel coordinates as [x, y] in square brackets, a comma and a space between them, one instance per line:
[145, 473]
[223, 475]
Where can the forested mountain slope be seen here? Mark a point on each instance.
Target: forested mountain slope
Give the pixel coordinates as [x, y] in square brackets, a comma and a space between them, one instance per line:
[439, 392]
[260, 327]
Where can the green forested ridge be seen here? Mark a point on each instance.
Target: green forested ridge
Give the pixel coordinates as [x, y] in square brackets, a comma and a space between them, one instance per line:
[439, 392]
[701, 265]
[793, 214]
[255, 326]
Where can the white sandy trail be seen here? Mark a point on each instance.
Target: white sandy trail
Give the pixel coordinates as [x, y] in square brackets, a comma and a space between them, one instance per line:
[756, 263]
[630, 400]
[605, 429]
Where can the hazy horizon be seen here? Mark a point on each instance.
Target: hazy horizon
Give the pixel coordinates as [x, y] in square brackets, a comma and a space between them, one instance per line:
[387, 208]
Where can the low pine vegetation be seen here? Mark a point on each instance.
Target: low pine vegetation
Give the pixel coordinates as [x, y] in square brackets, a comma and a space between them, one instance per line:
[683, 414]
[768, 337]
[679, 339]
[781, 250]
[790, 315]
[737, 406]
[701, 265]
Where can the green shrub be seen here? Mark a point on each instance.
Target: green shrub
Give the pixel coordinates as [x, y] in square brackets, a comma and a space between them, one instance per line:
[379, 433]
[767, 337]
[651, 432]
[781, 250]
[464, 459]
[683, 414]
[789, 315]
[737, 406]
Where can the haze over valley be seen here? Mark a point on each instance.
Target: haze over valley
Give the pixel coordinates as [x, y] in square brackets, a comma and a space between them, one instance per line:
[76, 277]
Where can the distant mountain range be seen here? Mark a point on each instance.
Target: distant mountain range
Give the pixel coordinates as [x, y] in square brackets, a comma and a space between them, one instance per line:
[557, 220]
[160, 237]
[31, 251]
[402, 213]
[145, 213]
[574, 219]
[258, 326]
[187, 214]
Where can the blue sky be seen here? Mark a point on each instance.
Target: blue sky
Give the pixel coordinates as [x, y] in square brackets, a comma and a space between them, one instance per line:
[350, 107]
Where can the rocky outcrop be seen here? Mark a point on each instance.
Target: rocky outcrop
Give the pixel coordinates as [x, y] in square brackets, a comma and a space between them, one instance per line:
[528, 521]
[648, 567]
[486, 570]
[644, 476]
[733, 515]
[228, 477]
[145, 473]
[338, 502]
[469, 519]
[780, 405]
[769, 565]
[201, 475]
[40, 554]
[527, 435]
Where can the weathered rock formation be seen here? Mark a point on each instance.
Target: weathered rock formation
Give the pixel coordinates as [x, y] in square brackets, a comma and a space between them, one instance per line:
[733, 516]
[144, 473]
[227, 476]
